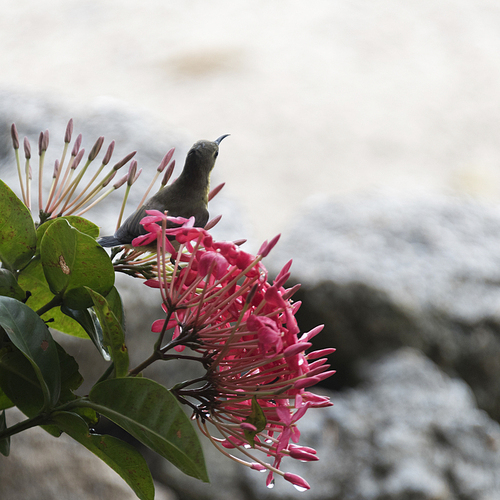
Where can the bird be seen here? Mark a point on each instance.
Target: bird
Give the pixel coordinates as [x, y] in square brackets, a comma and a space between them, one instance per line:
[186, 197]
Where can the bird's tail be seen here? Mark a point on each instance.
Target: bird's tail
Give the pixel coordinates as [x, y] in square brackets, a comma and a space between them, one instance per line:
[109, 241]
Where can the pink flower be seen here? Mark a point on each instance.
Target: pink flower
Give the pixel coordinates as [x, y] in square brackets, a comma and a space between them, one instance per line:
[218, 301]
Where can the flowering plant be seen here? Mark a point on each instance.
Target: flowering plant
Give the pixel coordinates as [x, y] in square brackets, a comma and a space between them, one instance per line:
[217, 300]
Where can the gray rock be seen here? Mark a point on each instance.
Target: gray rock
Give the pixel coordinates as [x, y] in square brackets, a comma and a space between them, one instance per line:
[41, 467]
[382, 272]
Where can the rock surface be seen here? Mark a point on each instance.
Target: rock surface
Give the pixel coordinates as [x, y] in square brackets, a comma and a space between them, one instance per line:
[383, 272]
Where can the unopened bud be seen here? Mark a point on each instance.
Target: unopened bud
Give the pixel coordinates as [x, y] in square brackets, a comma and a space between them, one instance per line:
[40, 140]
[165, 160]
[131, 172]
[15, 136]
[139, 172]
[27, 148]
[215, 191]
[56, 169]
[124, 160]
[168, 174]
[121, 182]
[108, 154]
[69, 131]
[267, 247]
[291, 291]
[96, 148]
[78, 159]
[76, 145]
[211, 223]
[45, 141]
[108, 180]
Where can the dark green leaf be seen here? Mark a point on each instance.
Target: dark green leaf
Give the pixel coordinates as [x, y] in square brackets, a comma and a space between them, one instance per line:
[9, 286]
[17, 230]
[5, 402]
[151, 414]
[5, 442]
[123, 458]
[19, 381]
[113, 336]
[72, 261]
[71, 380]
[30, 335]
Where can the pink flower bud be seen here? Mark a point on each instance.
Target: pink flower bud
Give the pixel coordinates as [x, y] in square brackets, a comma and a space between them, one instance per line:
[108, 154]
[96, 148]
[78, 159]
[296, 349]
[124, 160]
[131, 172]
[165, 160]
[15, 136]
[267, 247]
[119, 183]
[320, 353]
[69, 131]
[303, 456]
[168, 174]
[311, 333]
[27, 148]
[215, 191]
[297, 481]
[76, 145]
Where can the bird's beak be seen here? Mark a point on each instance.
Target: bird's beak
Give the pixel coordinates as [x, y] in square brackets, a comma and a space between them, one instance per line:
[217, 141]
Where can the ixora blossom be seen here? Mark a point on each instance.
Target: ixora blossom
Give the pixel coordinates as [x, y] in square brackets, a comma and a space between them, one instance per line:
[218, 302]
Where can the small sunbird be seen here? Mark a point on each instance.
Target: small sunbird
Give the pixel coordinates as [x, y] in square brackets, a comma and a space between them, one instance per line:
[186, 197]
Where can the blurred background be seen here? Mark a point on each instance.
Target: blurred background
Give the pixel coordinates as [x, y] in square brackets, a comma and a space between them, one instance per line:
[320, 98]
[368, 134]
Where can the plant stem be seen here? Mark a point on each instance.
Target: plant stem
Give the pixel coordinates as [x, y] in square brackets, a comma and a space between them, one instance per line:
[56, 301]
[39, 419]
[139, 368]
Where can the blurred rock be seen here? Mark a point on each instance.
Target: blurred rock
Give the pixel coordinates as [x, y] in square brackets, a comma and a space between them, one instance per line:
[383, 272]
[41, 467]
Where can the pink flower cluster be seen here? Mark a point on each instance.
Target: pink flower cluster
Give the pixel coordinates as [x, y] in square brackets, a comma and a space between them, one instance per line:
[218, 301]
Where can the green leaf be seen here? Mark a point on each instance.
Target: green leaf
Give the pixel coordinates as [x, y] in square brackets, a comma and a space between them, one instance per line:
[87, 318]
[30, 335]
[72, 261]
[113, 336]
[5, 442]
[17, 230]
[257, 418]
[151, 414]
[83, 225]
[19, 381]
[123, 458]
[9, 286]
[33, 279]
[115, 303]
[5, 402]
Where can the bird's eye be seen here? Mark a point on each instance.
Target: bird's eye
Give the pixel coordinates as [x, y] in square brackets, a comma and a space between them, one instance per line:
[216, 154]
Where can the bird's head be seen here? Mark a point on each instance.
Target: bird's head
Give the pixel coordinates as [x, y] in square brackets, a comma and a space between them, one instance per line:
[203, 154]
